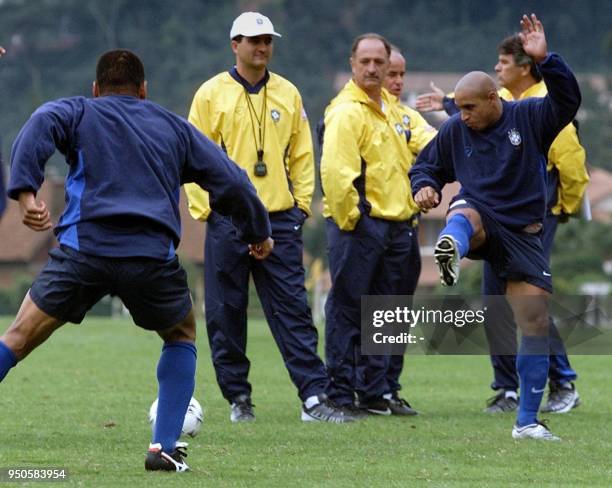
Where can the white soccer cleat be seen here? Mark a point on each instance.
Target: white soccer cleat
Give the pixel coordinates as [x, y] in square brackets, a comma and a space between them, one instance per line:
[537, 431]
[446, 254]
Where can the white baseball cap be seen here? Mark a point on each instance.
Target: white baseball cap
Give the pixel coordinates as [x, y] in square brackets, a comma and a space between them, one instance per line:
[251, 24]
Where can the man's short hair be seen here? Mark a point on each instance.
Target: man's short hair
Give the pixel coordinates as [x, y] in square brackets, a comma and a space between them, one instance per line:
[119, 68]
[514, 46]
[370, 35]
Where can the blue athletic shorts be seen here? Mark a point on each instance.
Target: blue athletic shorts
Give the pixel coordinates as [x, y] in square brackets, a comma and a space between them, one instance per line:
[155, 292]
[513, 254]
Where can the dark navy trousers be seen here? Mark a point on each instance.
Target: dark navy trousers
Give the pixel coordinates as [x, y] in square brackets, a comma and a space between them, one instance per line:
[503, 331]
[373, 259]
[279, 281]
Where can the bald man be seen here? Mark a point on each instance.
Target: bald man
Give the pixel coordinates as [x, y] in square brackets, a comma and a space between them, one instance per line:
[418, 134]
[497, 151]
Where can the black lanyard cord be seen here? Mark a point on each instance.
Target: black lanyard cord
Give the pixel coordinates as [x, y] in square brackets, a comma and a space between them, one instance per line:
[261, 121]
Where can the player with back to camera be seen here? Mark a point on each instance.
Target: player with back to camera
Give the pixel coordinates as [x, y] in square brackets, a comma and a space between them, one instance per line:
[497, 151]
[2, 191]
[119, 230]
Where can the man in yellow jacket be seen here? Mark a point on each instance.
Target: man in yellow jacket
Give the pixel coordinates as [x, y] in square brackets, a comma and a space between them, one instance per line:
[257, 117]
[370, 215]
[418, 134]
[519, 78]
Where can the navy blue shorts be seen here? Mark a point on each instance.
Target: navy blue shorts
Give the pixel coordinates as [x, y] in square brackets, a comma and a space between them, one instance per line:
[155, 292]
[513, 254]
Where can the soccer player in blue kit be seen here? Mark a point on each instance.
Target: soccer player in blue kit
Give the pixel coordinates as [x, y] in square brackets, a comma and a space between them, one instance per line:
[497, 151]
[127, 158]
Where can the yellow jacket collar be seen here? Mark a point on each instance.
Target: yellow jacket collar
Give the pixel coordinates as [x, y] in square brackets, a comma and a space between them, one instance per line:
[351, 92]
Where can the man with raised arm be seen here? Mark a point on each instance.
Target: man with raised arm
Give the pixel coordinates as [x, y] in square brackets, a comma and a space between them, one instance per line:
[567, 178]
[497, 151]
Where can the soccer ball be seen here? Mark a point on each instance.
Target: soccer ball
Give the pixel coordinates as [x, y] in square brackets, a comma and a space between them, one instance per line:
[193, 417]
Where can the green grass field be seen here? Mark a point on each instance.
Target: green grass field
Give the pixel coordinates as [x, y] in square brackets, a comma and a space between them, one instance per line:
[80, 402]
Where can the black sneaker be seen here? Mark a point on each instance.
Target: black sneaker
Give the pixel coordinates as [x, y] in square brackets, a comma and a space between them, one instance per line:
[157, 460]
[375, 406]
[326, 411]
[242, 409]
[399, 406]
[353, 411]
[501, 403]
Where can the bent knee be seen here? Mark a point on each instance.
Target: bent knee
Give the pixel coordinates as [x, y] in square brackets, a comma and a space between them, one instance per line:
[184, 331]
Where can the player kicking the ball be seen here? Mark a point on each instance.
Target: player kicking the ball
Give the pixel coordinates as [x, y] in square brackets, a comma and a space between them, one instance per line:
[497, 151]
[127, 159]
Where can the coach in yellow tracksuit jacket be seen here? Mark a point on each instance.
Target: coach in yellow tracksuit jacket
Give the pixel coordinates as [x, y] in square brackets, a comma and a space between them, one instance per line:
[258, 118]
[418, 134]
[370, 212]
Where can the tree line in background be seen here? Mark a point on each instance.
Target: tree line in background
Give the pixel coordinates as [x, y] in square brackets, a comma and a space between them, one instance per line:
[54, 44]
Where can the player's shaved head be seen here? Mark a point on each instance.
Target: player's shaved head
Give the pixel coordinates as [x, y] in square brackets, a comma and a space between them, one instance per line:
[477, 99]
[476, 83]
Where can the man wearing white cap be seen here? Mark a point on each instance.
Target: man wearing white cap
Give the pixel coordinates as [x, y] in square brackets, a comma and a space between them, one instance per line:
[257, 117]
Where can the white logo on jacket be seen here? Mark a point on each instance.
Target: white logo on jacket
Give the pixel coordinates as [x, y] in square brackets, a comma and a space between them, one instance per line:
[406, 120]
[399, 128]
[275, 114]
[515, 137]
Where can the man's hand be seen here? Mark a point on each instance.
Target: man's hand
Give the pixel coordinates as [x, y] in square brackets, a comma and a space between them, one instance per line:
[34, 215]
[430, 102]
[427, 198]
[261, 250]
[533, 38]
[2, 51]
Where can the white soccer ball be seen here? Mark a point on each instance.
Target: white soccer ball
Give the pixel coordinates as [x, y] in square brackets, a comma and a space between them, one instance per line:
[193, 417]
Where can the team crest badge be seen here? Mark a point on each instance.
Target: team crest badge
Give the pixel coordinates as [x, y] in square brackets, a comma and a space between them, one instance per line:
[259, 21]
[514, 136]
[399, 128]
[275, 114]
[406, 120]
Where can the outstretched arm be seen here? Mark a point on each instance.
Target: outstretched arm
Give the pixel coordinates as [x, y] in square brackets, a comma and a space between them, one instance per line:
[436, 100]
[432, 101]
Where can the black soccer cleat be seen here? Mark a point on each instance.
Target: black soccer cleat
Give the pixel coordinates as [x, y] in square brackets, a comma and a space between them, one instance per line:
[446, 255]
[375, 406]
[158, 460]
[400, 406]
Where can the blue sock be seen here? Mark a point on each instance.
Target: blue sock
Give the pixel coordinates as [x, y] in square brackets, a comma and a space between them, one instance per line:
[176, 377]
[461, 230]
[7, 360]
[532, 364]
